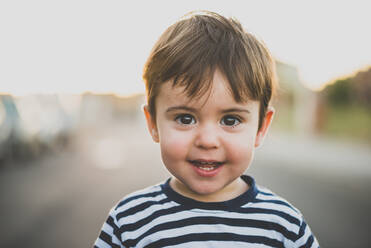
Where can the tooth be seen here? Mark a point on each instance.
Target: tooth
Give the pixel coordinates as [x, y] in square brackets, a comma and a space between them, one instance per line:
[206, 163]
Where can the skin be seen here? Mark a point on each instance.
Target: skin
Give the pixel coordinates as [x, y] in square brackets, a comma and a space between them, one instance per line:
[207, 143]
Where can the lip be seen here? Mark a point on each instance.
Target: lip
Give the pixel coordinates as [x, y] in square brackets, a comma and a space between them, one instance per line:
[200, 165]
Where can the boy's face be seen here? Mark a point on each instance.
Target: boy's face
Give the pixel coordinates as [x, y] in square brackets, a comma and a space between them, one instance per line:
[206, 143]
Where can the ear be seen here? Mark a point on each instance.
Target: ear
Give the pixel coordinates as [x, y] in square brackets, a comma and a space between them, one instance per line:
[151, 124]
[264, 127]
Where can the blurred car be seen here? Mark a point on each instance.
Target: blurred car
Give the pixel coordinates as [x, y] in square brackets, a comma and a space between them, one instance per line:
[31, 126]
[45, 122]
[13, 144]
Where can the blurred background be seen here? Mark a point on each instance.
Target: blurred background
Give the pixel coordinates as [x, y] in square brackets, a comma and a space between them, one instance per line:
[73, 139]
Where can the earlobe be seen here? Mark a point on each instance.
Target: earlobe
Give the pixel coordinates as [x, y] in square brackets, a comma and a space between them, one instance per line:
[155, 135]
[264, 127]
[151, 124]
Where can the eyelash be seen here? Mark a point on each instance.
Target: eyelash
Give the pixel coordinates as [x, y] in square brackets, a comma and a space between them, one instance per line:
[235, 118]
[178, 119]
[191, 120]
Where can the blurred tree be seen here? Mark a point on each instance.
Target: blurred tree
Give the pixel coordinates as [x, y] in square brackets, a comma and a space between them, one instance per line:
[348, 107]
[340, 93]
[355, 90]
[362, 87]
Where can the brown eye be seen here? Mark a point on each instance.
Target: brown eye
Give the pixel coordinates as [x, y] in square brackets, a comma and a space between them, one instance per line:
[185, 119]
[230, 121]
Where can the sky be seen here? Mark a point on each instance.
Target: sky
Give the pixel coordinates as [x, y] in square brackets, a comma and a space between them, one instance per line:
[101, 46]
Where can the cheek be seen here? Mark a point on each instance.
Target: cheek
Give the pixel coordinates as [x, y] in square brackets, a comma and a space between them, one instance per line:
[174, 146]
[241, 149]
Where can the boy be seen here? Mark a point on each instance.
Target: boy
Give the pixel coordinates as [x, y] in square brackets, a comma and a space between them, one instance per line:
[209, 84]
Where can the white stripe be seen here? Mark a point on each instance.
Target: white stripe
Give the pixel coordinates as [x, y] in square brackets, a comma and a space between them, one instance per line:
[264, 190]
[270, 197]
[274, 206]
[136, 202]
[101, 244]
[275, 219]
[275, 198]
[303, 240]
[109, 230]
[148, 190]
[160, 220]
[145, 213]
[315, 243]
[173, 233]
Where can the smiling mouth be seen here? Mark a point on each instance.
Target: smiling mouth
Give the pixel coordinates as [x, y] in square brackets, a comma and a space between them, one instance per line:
[206, 165]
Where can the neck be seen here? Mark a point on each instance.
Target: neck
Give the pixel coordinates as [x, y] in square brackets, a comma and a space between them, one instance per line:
[228, 192]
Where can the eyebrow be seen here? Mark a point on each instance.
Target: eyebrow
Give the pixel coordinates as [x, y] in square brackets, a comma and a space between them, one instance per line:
[236, 110]
[190, 109]
[176, 108]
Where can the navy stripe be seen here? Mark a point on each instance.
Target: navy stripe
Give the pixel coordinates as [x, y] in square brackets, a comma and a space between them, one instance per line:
[279, 202]
[108, 239]
[215, 237]
[302, 230]
[111, 222]
[282, 214]
[127, 200]
[150, 218]
[209, 220]
[265, 193]
[140, 207]
[309, 242]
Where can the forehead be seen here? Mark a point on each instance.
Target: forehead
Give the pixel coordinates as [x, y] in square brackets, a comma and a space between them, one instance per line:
[218, 94]
[218, 84]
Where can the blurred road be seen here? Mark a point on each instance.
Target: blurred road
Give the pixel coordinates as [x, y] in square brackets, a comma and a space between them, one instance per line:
[62, 200]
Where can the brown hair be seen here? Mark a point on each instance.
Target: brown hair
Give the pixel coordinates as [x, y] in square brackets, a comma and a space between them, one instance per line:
[189, 52]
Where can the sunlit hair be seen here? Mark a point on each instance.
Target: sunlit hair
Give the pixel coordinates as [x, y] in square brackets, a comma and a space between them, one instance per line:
[189, 52]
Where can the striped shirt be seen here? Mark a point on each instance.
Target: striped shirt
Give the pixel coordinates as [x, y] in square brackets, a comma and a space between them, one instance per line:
[160, 217]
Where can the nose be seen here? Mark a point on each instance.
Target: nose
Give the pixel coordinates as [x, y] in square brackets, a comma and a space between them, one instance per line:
[207, 137]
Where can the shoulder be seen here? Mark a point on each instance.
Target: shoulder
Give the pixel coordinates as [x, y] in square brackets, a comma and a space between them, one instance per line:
[275, 213]
[284, 218]
[276, 206]
[147, 193]
[140, 205]
[266, 197]
[127, 212]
